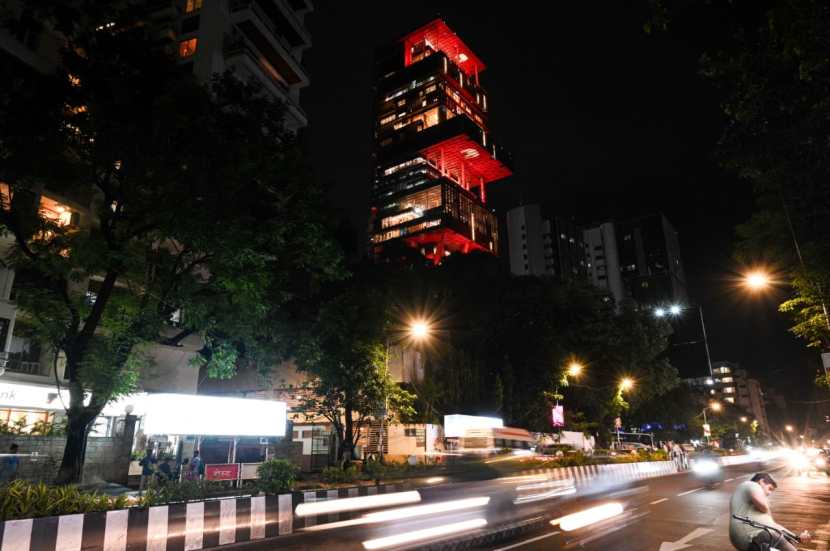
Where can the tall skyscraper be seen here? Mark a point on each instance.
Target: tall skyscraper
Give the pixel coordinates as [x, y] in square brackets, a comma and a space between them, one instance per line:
[434, 153]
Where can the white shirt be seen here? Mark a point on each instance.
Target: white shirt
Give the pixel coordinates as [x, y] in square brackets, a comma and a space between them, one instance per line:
[740, 533]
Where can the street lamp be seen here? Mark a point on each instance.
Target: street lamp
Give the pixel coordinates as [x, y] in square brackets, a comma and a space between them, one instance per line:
[757, 280]
[626, 384]
[744, 419]
[788, 428]
[575, 369]
[714, 406]
[675, 310]
[419, 329]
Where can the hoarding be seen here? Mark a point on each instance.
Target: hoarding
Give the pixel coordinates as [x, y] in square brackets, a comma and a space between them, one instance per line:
[456, 425]
[213, 416]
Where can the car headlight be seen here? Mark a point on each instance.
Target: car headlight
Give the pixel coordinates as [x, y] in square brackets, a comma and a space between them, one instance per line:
[705, 466]
[821, 462]
[798, 461]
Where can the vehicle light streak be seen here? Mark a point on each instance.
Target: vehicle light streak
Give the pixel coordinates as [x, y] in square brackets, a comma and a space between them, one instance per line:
[426, 533]
[588, 516]
[356, 503]
[549, 490]
[431, 509]
[435, 479]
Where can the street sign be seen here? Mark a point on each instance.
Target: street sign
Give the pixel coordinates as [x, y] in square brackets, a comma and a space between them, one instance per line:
[558, 416]
[228, 471]
[707, 431]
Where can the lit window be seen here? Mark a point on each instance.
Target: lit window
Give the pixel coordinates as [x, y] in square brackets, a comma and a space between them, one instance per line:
[192, 5]
[73, 80]
[188, 47]
[730, 399]
[729, 390]
[56, 212]
[727, 379]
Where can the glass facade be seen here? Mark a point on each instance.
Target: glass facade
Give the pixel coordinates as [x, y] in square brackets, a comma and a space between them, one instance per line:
[433, 152]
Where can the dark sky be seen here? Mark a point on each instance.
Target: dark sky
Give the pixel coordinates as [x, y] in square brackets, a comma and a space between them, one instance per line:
[602, 120]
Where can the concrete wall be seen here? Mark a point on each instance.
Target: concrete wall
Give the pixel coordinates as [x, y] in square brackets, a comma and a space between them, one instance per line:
[107, 459]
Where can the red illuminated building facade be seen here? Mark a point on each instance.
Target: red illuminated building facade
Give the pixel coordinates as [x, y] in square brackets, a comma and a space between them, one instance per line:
[434, 153]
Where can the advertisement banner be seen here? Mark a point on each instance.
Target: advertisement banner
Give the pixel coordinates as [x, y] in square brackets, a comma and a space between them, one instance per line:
[707, 430]
[558, 416]
[617, 423]
[228, 471]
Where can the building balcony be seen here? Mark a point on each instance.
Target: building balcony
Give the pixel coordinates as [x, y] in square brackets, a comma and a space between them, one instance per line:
[457, 146]
[252, 19]
[238, 50]
[454, 221]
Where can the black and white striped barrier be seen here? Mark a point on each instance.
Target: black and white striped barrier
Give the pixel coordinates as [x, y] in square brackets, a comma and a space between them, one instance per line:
[213, 523]
[177, 527]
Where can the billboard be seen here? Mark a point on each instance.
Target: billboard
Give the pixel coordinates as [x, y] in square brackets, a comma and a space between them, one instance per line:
[213, 416]
[558, 416]
[456, 425]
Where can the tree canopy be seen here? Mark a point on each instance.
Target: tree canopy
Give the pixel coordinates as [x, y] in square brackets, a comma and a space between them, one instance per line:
[197, 215]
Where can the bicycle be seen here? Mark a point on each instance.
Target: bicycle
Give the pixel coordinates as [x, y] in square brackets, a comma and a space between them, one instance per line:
[774, 540]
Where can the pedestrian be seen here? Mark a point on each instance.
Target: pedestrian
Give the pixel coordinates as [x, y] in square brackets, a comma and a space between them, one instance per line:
[195, 466]
[750, 501]
[9, 466]
[677, 455]
[147, 469]
[164, 473]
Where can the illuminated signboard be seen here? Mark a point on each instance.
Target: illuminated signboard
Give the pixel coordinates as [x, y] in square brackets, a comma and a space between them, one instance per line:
[456, 425]
[213, 416]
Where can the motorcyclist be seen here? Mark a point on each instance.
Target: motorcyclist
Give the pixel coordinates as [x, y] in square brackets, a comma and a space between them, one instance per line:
[750, 501]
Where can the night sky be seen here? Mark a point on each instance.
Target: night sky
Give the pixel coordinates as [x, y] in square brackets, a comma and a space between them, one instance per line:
[602, 119]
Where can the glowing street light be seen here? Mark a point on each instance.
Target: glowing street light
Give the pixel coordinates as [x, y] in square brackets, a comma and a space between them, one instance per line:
[419, 329]
[575, 369]
[744, 419]
[626, 384]
[659, 312]
[757, 280]
[788, 428]
[674, 309]
[715, 406]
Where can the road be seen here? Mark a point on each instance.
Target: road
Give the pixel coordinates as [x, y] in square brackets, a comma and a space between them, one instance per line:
[657, 512]
[679, 509]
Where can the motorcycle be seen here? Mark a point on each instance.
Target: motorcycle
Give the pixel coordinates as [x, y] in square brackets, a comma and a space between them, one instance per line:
[707, 470]
[774, 536]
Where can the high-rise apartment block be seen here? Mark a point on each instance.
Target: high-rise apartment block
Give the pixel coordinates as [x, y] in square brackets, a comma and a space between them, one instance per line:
[434, 154]
[542, 245]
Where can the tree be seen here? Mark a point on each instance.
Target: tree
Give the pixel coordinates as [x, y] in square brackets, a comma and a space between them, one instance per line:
[775, 80]
[346, 355]
[199, 208]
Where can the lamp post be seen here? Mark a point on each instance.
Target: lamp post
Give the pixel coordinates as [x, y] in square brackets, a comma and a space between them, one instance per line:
[714, 406]
[418, 330]
[625, 384]
[759, 280]
[675, 310]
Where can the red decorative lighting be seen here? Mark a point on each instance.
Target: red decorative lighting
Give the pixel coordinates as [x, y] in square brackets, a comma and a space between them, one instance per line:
[443, 239]
[470, 162]
[443, 39]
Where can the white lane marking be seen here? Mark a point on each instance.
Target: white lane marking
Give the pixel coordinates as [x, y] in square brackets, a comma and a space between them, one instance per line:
[656, 501]
[689, 492]
[729, 480]
[531, 540]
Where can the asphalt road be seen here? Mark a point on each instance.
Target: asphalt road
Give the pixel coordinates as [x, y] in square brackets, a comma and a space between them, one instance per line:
[657, 512]
[679, 509]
